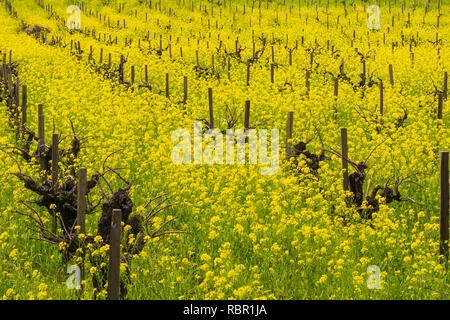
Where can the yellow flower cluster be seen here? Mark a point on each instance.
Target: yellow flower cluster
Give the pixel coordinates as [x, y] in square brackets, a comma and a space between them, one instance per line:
[290, 235]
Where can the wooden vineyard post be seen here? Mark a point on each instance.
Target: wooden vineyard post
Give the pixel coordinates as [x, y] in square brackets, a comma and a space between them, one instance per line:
[185, 89]
[248, 72]
[55, 160]
[344, 152]
[41, 135]
[132, 74]
[391, 75]
[273, 56]
[335, 93]
[381, 97]
[114, 255]
[445, 85]
[336, 87]
[17, 105]
[440, 103]
[146, 74]
[364, 69]
[308, 85]
[24, 109]
[167, 85]
[247, 115]
[289, 127]
[211, 112]
[444, 215]
[272, 66]
[9, 81]
[16, 98]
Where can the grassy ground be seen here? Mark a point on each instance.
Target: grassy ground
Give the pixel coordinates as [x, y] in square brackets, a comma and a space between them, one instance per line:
[251, 236]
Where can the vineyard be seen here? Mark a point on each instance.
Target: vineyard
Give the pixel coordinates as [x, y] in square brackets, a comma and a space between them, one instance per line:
[115, 166]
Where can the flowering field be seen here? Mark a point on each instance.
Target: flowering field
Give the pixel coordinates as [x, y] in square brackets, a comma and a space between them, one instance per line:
[111, 74]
